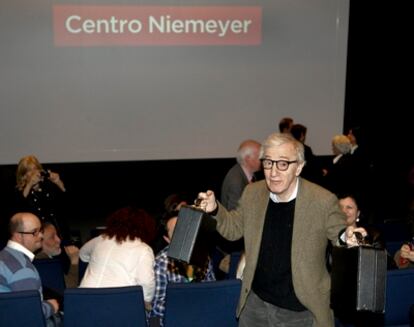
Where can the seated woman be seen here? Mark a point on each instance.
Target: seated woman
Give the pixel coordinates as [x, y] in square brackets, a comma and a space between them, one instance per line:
[350, 206]
[121, 256]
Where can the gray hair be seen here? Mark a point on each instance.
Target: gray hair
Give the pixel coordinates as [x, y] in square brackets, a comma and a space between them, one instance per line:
[246, 149]
[277, 139]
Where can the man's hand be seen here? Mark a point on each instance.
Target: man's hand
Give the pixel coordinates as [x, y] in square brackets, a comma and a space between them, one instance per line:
[208, 201]
[73, 253]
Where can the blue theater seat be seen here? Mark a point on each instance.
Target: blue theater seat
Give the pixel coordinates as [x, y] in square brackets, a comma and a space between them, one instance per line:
[207, 304]
[399, 297]
[104, 307]
[22, 308]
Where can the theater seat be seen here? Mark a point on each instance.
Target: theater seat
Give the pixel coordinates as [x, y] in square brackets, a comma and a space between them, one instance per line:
[104, 307]
[51, 273]
[399, 297]
[207, 304]
[22, 308]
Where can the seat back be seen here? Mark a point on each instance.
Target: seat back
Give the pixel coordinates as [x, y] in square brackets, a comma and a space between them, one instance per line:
[394, 231]
[21, 308]
[207, 304]
[393, 246]
[105, 307]
[51, 273]
[399, 297]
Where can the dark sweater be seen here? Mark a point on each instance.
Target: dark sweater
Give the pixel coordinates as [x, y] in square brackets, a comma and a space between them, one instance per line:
[273, 277]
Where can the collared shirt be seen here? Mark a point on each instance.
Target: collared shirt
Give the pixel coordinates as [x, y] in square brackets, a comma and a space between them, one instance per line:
[18, 247]
[275, 198]
[248, 174]
[336, 159]
[354, 147]
[166, 272]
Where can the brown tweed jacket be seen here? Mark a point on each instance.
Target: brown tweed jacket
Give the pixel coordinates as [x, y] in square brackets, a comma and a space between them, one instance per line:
[317, 218]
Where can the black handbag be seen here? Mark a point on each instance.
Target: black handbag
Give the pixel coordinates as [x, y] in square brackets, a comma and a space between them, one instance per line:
[189, 241]
[358, 279]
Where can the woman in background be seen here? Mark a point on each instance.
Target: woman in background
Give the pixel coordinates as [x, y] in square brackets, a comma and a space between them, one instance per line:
[41, 192]
[121, 256]
[350, 206]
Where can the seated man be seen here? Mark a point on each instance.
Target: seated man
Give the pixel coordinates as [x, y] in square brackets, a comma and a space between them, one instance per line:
[17, 273]
[168, 270]
[51, 247]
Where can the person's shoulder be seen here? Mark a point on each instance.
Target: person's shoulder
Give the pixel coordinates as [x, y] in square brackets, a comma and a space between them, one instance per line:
[8, 254]
[7, 251]
[138, 243]
[41, 255]
[256, 186]
[161, 260]
[162, 255]
[313, 190]
[256, 189]
[235, 170]
[3, 254]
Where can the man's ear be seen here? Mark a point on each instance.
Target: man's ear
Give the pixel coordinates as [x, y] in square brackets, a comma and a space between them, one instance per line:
[166, 239]
[299, 168]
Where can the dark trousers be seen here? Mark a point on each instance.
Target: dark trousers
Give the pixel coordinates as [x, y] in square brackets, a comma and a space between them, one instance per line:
[258, 313]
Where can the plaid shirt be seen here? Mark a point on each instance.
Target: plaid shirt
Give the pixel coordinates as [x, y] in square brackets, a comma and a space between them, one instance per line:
[166, 272]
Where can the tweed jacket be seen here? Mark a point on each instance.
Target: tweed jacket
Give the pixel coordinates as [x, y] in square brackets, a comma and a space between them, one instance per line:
[317, 219]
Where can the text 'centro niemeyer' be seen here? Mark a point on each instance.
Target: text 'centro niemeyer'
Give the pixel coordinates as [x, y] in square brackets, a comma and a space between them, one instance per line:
[164, 24]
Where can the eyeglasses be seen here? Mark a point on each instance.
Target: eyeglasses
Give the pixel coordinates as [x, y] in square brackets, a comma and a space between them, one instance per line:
[281, 165]
[35, 233]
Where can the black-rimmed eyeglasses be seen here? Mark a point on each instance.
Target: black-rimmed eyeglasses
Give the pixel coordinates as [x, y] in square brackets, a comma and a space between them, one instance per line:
[34, 233]
[281, 165]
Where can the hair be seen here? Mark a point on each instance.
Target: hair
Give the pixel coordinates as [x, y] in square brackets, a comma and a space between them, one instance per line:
[16, 223]
[277, 139]
[171, 202]
[342, 196]
[246, 149]
[130, 223]
[356, 199]
[285, 123]
[342, 143]
[298, 130]
[22, 169]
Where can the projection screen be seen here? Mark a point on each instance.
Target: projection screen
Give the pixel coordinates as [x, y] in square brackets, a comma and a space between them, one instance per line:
[113, 80]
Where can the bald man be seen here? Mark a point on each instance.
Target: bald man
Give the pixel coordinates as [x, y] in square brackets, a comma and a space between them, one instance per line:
[17, 273]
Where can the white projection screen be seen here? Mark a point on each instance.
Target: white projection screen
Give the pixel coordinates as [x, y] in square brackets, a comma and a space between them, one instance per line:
[87, 81]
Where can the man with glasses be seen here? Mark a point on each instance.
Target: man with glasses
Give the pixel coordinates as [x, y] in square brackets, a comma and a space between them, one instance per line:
[17, 273]
[286, 223]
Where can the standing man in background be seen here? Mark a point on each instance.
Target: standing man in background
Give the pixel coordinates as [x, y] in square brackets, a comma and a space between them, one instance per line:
[285, 125]
[241, 174]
